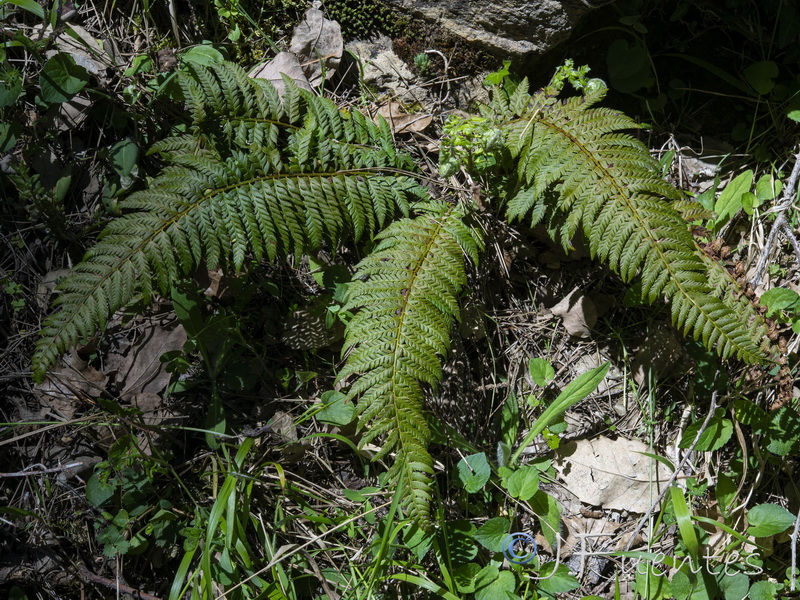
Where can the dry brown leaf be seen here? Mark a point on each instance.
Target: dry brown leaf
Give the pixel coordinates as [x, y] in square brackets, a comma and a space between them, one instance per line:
[612, 474]
[402, 122]
[67, 385]
[577, 312]
[138, 369]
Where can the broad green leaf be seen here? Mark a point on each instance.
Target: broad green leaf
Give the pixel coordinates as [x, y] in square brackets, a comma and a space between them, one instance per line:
[716, 434]
[474, 472]
[749, 413]
[10, 87]
[685, 526]
[761, 76]
[779, 299]
[492, 584]
[794, 115]
[123, 156]
[491, 534]
[768, 519]
[336, 410]
[509, 419]
[577, 390]
[29, 5]
[458, 537]
[548, 510]
[523, 484]
[60, 79]
[556, 578]
[205, 55]
[750, 202]
[652, 582]
[542, 371]
[730, 200]
[464, 577]
[763, 590]
[9, 132]
[768, 187]
[735, 586]
[99, 492]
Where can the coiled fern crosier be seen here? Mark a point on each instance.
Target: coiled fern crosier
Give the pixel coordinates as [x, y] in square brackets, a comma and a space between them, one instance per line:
[259, 177]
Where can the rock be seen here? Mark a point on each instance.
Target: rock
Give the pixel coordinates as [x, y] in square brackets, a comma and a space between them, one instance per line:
[386, 72]
[505, 27]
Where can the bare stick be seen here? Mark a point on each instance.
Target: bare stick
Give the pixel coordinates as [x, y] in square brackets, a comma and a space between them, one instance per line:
[90, 577]
[42, 471]
[781, 224]
[795, 534]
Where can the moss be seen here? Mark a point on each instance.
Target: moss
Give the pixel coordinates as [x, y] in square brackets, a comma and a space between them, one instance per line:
[363, 18]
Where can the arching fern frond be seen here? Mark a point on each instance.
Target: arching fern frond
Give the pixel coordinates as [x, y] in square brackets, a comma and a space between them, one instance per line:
[406, 293]
[262, 188]
[606, 183]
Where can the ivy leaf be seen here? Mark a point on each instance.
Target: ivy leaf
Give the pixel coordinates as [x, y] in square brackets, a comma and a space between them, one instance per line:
[464, 577]
[61, 79]
[763, 590]
[768, 519]
[779, 299]
[493, 584]
[714, 437]
[523, 484]
[542, 371]
[474, 472]
[336, 410]
[493, 533]
[556, 579]
[99, 492]
[730, 200]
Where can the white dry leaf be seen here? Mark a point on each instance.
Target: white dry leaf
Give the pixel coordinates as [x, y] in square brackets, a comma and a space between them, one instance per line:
[317, 42]
[284, 63]
[577, 312]
[611, 474]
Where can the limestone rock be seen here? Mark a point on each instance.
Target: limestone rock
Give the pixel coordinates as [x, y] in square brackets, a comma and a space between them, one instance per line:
[506, 27]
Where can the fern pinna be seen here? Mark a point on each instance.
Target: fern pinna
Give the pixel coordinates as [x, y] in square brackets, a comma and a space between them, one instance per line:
[257, 177]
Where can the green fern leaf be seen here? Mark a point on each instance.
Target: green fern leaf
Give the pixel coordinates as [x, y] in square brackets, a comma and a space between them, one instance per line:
[219, 204]
[406, 294]
[607, 184]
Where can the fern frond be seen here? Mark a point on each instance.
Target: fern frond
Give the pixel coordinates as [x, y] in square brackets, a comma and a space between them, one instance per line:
[406, 294]
[606, 183]
[218, 203]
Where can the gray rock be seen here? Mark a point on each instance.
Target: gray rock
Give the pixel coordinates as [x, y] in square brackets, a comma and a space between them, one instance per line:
[505, 27]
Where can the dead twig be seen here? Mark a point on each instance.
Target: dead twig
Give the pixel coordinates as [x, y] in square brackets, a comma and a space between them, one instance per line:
[90, 577]
[781, 224]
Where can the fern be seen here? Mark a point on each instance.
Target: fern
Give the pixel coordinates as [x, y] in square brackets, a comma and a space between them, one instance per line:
[250, 181]
[255, 176]
[406, 293]
[572, 161]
